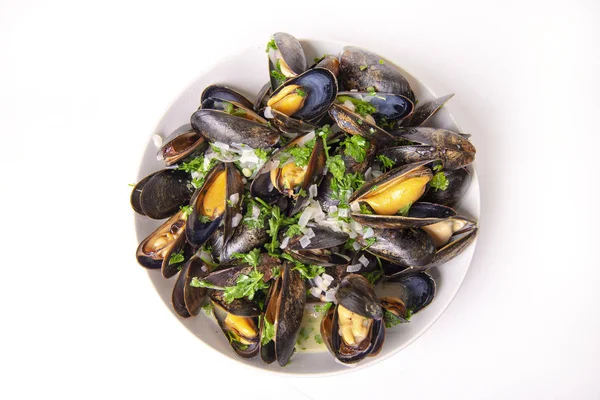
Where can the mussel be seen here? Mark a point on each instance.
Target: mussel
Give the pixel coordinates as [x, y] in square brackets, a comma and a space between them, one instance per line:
[182, 143]
[412, 293]
[318, 247]
[377, 107]
[156, 250]
[187, 299]
[452, 149]
[354, 124]
[458, 183]
[160, 194]
[362, 70]
[291, 171]
[239, 322]
[217, 201]
[224, 93]
[286, 58]
[354, 329]
[283, 315]
[426, 111]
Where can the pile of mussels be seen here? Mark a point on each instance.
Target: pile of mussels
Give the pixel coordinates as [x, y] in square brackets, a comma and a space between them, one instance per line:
[324, 186]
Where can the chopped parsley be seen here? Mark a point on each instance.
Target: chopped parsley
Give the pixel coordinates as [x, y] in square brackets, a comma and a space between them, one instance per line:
[373, 276]
[404, 210]
[301, 155]
[233, 110]
[262, 154]
[365, 209]
[277, 75]
[267, 333]
[208, 309]
[300, 92]
[324, 308]
[318, 339]
[363, 67]
[176, 258]
[308, 271]
[131, 184]
[293, 230]
[371, 91]
[319, 59]
[356, 147]
[252, 257]
[304, 334]
[386, 162]
[195, 164]
[276, 221]
[381, 62]
[362, 108]
[187, 210]
[246, 286]
[409, 314]
[271, 45]
[390, 319]
[439, 181]
[336, 166]
[370, 242]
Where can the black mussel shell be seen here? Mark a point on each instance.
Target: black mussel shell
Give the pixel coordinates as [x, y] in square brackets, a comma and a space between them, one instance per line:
[157, 247]
[180, 144]
[224, 93]
[357, 295]
[219, 126]
[389, 106]
[426, 111]
[407, 247]
[360, 70]
[416, 291]
[354, 124]
[163, 193]
[458, 183]
[187, 299]
[136, 193]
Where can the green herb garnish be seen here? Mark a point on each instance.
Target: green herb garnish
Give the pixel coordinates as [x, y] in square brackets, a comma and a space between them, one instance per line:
[308, 271]
[252, 257]
[324, 308]
[381, 62]
[318, 339]
[356, 147]
[293, 230]
[363, 67]
[300, 92]
[271, 45]
[439, 181]
[176, 258]
[268, 332]
[336, 166]
[391, 319]
[187, 210]
[386, 162]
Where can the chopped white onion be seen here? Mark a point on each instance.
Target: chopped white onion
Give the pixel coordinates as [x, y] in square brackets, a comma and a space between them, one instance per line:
[304, 241]
[363, 260]
[284, 243]
[330, 295]
[221, 145]
[310, 233]
[235, 221]
[247, 172]
[312, 191]
[356, 246]
[343, 212]
[318, 281]
[304, 218]
[234, 198]
[268, 113]
[354, 268]
[158, 140]
[315, 292]
[332, 209]
[327, 277]
[306, 138]
[255, 211]
[355, 207]
[349, 105]
[369, 233]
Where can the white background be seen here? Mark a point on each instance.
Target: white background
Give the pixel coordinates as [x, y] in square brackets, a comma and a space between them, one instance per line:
[83, 85]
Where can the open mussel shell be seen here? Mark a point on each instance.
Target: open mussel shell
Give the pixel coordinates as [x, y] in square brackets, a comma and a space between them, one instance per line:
[408, 247]
[389, 106]
[426, 111]
[217, 200]
[244, 239]
[360, 69]
[288, 59]
[284, 309]
[391, 192]
[291, 127]
[188, 300]
[453, 149]
[458, 183]
[414, 291]
[356, 298]
[219, 126]
[180, 144]
[420, 214]
[160, 194]
[227, 274]
[354, 124]
[233, 108]
[456, 245]
[320, 249]
[224, 93]
[289, 179]
[331, 63]
[157, 248]
[316, 91]
[239, 322]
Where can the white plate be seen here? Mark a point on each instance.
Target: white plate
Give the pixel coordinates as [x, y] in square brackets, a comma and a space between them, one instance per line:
[247, 72]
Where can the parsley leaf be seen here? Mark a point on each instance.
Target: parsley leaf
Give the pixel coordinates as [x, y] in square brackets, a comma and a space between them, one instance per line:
[324, 308]
[262, 154]
[318, 339]
[370, 242]
[271, 45]
[277, 75]
[176, 258]
[363, 67]
[439, 181]
[404, 210]
[336, 166]
[208, 309]
[300, 92]
[187, 210]
[302, 154]
[319, 59]
[293, 230]
[268, 332]
[246, 286]
[356, 147]
[387, 162]
[373, 276]
[391, 319]
[381, 62]
[193, 165]
[252, 257]
[371, 91]
[365, 209]
[308, 271]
